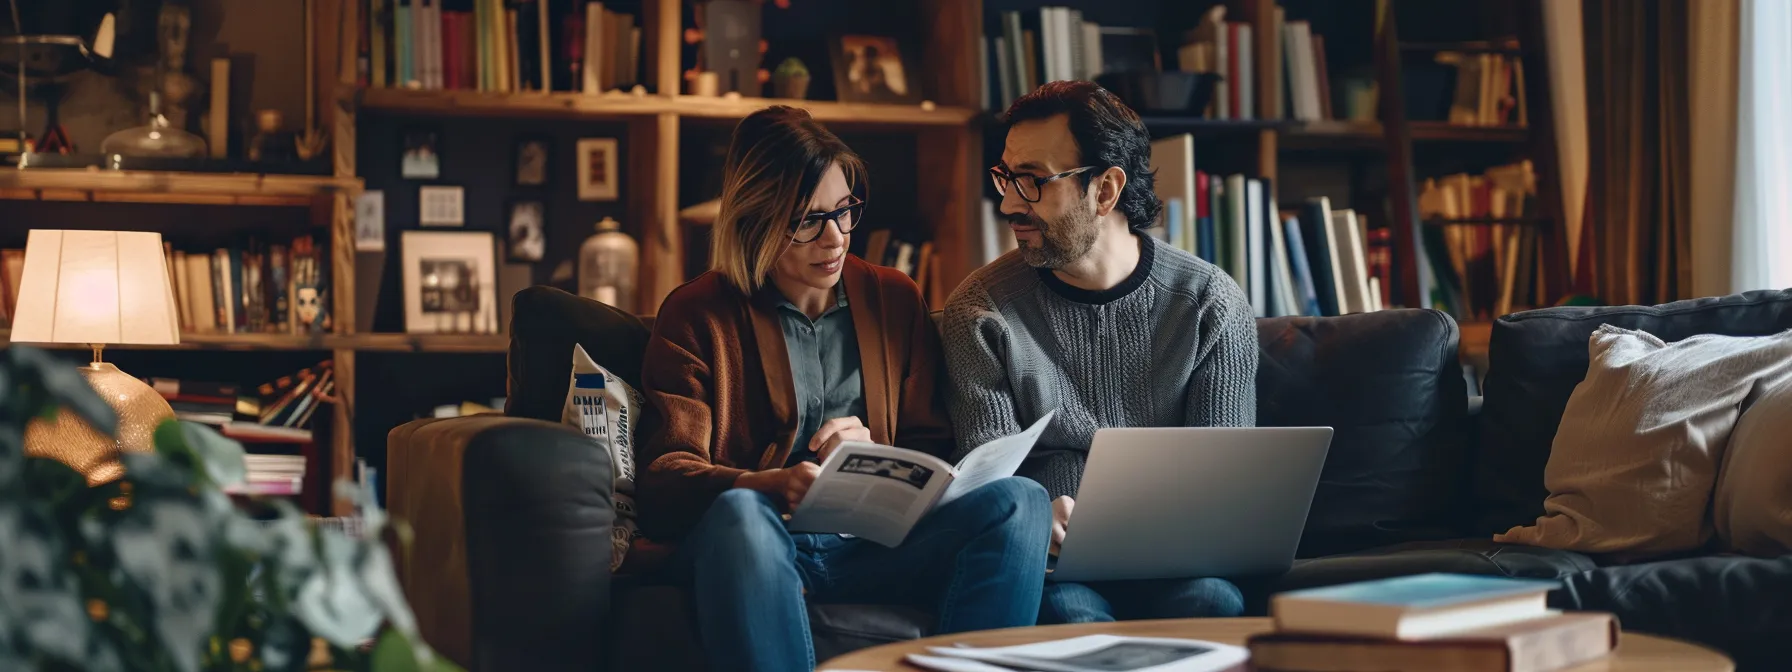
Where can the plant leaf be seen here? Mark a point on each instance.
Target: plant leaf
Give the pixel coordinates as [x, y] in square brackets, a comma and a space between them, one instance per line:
[222, 457]
[393, 653]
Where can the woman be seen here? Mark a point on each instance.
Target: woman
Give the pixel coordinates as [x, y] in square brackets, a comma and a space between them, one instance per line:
[760, 367]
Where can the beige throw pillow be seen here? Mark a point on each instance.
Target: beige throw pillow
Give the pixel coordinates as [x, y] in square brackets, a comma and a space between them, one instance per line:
[1752, 507]
[1634, 461]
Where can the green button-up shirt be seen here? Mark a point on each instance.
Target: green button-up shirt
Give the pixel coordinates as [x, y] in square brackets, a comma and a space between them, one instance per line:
[824, 369]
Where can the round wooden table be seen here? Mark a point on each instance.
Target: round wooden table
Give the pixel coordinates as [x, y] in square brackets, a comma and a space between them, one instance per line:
[1636, 652]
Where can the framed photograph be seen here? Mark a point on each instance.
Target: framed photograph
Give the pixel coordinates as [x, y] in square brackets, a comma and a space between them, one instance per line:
[532, 158]
[450, 282]
[421, 159]
[874, 69]
[597, 169]
[528, 230]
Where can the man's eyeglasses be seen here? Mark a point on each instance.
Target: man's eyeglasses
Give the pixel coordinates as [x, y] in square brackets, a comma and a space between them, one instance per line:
[809, 228]
[1028, 187]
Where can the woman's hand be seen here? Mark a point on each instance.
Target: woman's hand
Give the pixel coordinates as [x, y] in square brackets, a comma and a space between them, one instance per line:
[788, 485]
[1061, 520]
[835, 432]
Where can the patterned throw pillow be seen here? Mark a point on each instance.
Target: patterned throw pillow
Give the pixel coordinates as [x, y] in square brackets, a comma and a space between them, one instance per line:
[607, 410]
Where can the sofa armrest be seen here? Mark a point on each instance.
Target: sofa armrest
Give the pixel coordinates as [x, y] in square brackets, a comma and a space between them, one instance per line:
[510, 565]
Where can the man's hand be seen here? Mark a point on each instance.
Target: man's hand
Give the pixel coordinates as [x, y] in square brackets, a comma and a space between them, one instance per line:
[1061, 520]
[788, 485]
[835, 432]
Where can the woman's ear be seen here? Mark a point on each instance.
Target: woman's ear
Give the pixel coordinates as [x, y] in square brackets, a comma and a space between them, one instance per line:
[1108, 186]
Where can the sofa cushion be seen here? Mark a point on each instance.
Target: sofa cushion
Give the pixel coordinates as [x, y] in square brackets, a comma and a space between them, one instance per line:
[1390, 386]
[1535, 360]
[1732, 603]
[656, 631]
[1752, 504]
[544, 324]
[1636, 457]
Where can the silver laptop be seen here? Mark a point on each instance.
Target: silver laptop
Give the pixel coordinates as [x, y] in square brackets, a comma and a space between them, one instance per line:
[1186, 502]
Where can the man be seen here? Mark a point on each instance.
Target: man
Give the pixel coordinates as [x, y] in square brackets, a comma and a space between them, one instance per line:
[1094, 318]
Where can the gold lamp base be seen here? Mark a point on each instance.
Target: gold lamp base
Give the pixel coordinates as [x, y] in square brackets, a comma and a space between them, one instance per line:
[70, 440]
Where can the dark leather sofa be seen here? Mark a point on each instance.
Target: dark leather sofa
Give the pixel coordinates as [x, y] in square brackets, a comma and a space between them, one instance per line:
[509, 569]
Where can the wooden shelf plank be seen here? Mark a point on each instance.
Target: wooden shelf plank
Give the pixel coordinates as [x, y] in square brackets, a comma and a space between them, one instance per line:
[827, 111]
[624, 106]
[1462, 47]
[464, 103]
[1488, 221]
[388, 342]
[265, 342]
[142, 186]
[1366, 134]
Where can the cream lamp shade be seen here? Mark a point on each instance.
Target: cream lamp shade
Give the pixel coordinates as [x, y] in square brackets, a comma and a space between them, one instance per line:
[95, 287]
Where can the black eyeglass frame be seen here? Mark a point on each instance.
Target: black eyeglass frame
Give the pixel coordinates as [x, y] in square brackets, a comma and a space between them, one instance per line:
[856, 208]
[1000, 175]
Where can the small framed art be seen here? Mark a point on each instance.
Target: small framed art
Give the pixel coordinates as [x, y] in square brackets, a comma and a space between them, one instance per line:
[597, 169]
[450, 282]
[528, 230]
[874, 69]
[533, 155]
[421, 159]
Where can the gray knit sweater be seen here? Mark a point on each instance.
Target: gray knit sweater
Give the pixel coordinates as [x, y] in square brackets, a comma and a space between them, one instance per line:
[1173, 345]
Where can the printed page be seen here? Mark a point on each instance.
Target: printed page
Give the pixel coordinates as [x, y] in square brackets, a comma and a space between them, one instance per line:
[995, 460]
[1095, 653]
[871, 491]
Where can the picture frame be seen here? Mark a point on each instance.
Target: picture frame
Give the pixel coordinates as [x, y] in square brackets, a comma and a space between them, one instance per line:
[370, 221]
[598, 179]
[875, 69]
[531, 161]
[420, 156]
[526, 225]
[450, 282]
[441, 205]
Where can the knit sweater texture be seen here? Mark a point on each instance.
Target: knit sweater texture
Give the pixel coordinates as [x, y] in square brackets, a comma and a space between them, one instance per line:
[1173, 345]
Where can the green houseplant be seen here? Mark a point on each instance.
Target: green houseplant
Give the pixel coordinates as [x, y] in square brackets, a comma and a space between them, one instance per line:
[791, 79]
[162, 571]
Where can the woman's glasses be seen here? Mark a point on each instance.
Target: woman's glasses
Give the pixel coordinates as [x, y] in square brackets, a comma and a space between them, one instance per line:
[810, 227]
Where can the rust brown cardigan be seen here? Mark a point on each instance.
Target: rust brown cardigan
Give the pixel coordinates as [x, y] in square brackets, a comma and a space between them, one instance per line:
[716, 377]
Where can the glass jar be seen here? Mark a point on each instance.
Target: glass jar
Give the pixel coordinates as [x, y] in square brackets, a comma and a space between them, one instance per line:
[607, 266]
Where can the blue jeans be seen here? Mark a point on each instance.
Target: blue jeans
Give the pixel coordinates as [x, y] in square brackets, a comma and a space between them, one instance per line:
[977, 560]
[1105, 601]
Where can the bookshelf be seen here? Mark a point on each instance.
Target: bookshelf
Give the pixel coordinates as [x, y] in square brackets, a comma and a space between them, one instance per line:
[126, 186]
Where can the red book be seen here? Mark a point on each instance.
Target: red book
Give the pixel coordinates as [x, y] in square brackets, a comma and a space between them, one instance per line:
[451, 50]
[1233, 31]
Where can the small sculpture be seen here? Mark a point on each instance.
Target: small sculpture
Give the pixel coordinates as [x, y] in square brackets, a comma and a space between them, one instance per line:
[173, 32]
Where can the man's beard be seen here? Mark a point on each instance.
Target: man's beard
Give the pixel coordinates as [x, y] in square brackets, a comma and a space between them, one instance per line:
[1061, 242]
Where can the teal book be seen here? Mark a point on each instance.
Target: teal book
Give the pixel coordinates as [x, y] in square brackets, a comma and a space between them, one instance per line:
[1421, 606]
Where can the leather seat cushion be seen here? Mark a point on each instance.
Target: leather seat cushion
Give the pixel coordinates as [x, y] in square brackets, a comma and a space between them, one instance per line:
[1390, 386]
[544, 324]
[1535, 360]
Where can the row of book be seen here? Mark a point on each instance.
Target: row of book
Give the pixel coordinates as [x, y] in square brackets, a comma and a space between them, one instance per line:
[257, 288]
[1306, 260]
[915, 261]
[280, 410]
[500, 46]
[1430, 622]
[1489, 88]
[1494, 266]
[1051, 44]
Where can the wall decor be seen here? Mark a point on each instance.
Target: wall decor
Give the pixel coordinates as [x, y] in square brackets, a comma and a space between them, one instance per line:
[874, 69]
[597, 169]
[421, 159]
[450, 282]
[533, 154]
[439, 205]
[370, 221]
[528, 230]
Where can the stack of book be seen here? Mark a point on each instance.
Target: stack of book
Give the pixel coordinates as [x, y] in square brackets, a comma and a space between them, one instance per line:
[280, 475]
[1430, 622]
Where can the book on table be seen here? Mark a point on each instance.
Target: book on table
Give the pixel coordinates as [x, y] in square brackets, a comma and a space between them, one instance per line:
[1551, 642]
[1411, 607]
[879, 492]
[1088, 653]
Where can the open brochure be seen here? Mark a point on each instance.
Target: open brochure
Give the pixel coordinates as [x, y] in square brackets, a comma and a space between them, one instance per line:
[1091, 653]
[879, 492]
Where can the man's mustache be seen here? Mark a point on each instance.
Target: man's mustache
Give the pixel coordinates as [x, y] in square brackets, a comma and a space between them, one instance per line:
[1025, 221]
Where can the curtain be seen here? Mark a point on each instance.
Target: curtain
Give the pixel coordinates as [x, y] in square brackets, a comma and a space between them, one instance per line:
[1639, 186]
[1712, 59]
[1761, 235]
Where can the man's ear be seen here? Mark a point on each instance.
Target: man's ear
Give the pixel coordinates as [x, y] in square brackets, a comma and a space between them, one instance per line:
[1107, 190]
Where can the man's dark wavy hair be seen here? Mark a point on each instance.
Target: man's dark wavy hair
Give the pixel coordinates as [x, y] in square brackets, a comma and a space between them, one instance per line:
[1108, 134]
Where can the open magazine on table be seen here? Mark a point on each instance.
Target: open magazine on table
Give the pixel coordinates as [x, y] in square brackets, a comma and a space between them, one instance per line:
[1090, 653]
[879, 492]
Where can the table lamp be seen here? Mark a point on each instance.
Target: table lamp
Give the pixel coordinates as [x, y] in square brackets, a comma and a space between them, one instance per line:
[97, 288]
